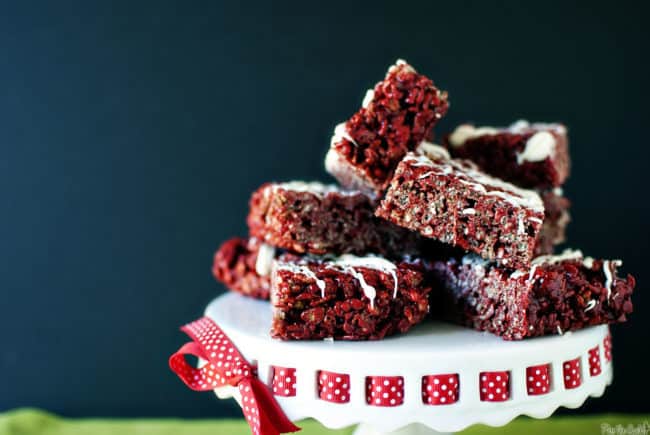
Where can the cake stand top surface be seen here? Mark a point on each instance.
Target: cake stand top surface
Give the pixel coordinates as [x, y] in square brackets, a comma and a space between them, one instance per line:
[251, 319]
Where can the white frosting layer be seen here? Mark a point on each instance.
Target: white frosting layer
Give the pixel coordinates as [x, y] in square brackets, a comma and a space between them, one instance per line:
[479, 181]
[265, 256]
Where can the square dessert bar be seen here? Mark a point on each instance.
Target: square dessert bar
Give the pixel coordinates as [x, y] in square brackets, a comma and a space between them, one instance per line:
[556, 294]
[528, 155]
[346, 298]
[452, 201]
[556, 219]
[243, 265]
[323, 219]
[395, 117]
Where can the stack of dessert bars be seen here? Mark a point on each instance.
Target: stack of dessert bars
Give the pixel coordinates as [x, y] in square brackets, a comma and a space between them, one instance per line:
[463, 230]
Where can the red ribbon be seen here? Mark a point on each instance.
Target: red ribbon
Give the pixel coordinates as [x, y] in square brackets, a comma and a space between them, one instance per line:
[227, 367]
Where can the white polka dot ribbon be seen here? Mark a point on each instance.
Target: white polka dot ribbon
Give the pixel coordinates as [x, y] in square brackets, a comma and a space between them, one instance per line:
[494, 386]
[384, 390]
[226, 366]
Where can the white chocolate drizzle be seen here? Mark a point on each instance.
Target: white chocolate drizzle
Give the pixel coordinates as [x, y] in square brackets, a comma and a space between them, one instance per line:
[347, 263]
[367, 99]
[340, 133]
[590, 305]
[539, 147]
[522, 126]
[264, 261]
[434, 157]
[399, 62]
[521, 229]
[369, 291]
[568, 254]
[314, 187]
[519, 126]
[465, 132]
[432, 150]
[302, 269]
[608, 267]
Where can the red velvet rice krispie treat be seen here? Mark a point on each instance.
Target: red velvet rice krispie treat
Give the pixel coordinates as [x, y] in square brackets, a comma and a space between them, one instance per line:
[528, 155]
[346, 298]
[556, 219]
[323, 219]
[394, 118]
[557, 294]
[452, 201]
[240, 267]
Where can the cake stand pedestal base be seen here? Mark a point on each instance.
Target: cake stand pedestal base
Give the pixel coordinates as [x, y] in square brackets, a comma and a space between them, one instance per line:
[411, 429]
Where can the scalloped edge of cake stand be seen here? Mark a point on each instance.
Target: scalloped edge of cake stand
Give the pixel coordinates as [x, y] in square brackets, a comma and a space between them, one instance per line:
[430, 348]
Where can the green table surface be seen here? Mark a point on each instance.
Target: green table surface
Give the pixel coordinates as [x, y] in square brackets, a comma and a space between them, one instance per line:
[31, 421]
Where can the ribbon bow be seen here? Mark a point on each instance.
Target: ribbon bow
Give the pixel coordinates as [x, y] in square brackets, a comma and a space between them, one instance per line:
[226, 367]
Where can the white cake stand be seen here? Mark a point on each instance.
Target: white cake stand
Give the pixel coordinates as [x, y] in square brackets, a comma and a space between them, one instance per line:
[430, 348]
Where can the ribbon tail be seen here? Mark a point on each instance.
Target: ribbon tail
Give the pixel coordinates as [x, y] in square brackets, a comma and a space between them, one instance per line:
[195, 379]
[273, 421]
[226, 366]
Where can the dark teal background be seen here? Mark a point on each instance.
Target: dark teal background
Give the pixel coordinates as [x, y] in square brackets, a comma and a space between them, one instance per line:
[132, 133]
